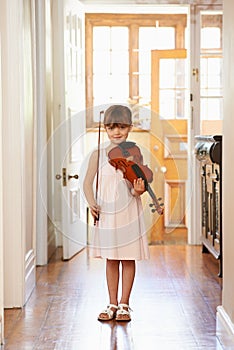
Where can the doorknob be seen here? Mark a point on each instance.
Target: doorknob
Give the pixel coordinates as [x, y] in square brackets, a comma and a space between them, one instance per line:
[163, 169]
[73, 177]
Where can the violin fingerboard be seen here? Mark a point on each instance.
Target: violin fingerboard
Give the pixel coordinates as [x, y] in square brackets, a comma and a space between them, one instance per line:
[139, 173]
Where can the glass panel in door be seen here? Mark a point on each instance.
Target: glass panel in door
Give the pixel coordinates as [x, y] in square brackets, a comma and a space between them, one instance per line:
[211, 73]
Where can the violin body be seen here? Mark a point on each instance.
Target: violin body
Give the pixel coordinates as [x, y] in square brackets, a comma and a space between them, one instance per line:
[130, 152]
[131, 171]
[128, 158]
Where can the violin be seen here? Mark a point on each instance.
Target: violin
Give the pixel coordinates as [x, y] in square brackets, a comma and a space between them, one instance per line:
[127, 157]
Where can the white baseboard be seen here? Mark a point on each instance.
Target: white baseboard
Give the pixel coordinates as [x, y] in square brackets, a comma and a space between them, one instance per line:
[30, 274]
[224, 329]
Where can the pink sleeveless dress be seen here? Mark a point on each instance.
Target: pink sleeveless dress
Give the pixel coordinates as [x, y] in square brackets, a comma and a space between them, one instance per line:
[120, 232]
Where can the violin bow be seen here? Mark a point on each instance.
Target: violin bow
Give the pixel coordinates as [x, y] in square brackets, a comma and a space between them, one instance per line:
[98, 157]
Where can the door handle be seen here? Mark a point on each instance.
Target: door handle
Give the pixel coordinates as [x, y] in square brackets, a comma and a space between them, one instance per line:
[73, 177]
[163, 169]
[64, 176]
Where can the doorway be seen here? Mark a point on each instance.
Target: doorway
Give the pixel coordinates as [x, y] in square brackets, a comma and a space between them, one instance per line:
[121, 38]
[129, 40]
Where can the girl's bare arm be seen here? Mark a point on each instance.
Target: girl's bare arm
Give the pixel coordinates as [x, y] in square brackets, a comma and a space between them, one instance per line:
[88, 183]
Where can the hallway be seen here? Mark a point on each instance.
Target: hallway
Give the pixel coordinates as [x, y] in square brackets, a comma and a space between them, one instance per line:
[174, 304]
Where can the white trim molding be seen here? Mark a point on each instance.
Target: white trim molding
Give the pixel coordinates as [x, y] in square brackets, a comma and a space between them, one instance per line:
[1, 218]
[224, 329]
[30, 273]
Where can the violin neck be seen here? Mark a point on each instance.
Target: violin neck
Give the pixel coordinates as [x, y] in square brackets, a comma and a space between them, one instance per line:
[152, 195]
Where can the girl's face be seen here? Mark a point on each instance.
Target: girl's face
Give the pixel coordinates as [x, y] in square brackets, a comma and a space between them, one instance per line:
[118, 133]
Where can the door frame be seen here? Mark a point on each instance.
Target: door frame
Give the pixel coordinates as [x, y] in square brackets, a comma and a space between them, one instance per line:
[41, 195]
[58, 111]
[194, 177]
[1, 218]
[194, 217]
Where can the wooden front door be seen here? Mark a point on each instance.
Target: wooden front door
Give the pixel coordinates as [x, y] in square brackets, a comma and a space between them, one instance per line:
[170, 108]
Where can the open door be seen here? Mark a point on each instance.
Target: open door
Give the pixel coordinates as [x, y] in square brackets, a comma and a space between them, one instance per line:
[74, 230]
[69, 126]
[170, 108]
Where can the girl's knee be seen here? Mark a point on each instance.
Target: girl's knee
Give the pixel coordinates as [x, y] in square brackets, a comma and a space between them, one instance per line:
[112, 262]
[128, 262]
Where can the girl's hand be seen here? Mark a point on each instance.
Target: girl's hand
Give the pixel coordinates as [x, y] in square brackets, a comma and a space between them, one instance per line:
[138, 186]
[95, 210]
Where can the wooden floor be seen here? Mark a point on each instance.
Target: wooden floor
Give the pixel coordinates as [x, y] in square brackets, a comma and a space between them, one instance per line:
[174, 302]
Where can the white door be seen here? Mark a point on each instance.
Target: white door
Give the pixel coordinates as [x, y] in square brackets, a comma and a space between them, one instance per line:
[74, 227]
[69, 127]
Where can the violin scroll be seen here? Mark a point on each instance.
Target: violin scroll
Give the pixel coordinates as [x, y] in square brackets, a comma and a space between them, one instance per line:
[157, 207]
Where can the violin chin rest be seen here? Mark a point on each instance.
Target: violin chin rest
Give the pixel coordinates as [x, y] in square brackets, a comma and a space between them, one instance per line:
[127, 144]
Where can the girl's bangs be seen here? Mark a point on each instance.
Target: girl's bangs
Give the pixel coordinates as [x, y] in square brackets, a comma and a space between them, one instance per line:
[117, 125]
[118, 115]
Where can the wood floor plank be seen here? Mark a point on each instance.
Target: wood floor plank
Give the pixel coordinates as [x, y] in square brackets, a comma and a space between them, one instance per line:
[174, 302]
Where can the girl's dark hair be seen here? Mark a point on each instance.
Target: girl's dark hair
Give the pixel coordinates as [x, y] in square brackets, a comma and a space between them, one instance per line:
[118, 114]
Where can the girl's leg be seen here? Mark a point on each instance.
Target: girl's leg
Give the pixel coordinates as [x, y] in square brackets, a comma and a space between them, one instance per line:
[128, 275]
[112, 278]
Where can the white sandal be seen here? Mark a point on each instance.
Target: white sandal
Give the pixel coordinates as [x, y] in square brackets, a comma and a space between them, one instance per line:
[122, 314]
[109, 314]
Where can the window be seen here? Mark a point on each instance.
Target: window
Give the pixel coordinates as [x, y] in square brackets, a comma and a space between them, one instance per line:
[110, 65]
[118, 58]
[211, 84]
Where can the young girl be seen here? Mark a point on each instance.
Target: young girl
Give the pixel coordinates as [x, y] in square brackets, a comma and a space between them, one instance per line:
[119, 232]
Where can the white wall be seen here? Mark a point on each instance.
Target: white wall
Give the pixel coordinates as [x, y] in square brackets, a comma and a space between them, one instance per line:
[228, 181]
[18, 111]
[11, 109]
[225, 315]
